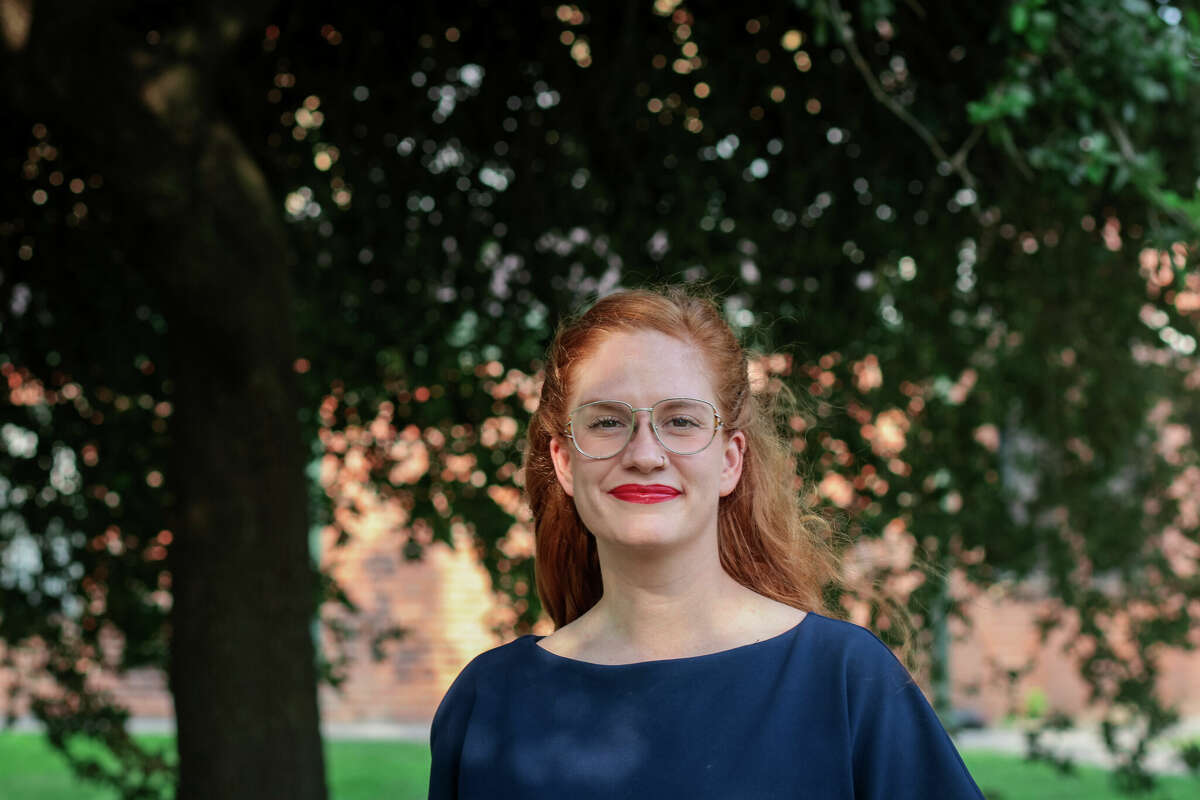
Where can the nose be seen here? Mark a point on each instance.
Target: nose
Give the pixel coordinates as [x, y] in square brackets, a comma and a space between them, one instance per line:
[644, 452]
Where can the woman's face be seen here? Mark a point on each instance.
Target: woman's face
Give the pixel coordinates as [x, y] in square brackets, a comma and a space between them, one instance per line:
[678, 498]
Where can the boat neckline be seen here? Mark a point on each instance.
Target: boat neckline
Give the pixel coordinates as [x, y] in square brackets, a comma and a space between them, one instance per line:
[680, 659]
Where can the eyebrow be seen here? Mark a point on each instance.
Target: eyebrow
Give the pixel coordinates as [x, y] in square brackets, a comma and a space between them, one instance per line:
[712, 403]
[596, 400]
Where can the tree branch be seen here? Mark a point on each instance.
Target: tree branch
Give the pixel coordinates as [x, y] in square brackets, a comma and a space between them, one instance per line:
[957, 162]
[1132, 159]
[959, 159]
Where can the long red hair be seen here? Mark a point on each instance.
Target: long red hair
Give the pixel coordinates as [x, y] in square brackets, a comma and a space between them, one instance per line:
[768, 539]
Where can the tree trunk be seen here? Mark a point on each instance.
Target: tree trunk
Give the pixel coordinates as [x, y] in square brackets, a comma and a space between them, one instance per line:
[210, 240]
[242, 665]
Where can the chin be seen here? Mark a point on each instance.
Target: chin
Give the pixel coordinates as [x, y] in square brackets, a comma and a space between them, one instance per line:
[637, 525]
[644, 535]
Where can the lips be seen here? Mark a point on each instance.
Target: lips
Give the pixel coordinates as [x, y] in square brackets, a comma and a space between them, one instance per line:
[641, 493]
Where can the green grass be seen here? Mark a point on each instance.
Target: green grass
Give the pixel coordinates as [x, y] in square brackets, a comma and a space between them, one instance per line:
[1008, 777]
[362, 770]
[366, 770]
[31, 769]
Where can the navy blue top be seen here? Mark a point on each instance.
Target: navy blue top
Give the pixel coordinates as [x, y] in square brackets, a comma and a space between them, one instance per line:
[823, 710]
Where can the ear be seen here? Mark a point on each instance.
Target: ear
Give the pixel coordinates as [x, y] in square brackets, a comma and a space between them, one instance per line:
[561, 454]
[732, 457]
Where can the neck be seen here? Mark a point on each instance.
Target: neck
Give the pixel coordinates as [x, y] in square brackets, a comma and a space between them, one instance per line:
[665, 604]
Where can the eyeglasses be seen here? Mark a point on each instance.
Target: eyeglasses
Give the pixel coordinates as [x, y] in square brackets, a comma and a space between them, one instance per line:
[680, 424]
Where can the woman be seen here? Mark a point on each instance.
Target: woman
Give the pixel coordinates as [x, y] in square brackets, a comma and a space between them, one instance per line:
[684, 579]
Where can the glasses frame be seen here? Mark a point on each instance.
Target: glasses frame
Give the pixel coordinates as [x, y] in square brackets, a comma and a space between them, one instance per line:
[569, 432]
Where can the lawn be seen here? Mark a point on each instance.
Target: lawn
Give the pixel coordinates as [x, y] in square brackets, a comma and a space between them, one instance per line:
[366, 770]
[358, 770]
[1008, 777]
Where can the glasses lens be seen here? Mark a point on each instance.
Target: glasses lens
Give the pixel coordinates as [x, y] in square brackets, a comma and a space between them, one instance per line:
[684, 426]
[601, 429]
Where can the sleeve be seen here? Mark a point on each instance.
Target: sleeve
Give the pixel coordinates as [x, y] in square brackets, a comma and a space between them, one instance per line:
[447, 734]
[900, 749]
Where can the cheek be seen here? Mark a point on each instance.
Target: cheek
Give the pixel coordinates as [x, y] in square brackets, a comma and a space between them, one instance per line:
[585, 482]
[713, 467]
[588, 499]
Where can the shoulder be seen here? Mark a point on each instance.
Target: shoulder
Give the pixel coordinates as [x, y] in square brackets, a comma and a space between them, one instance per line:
[490, 661]
[502, 655]
[898, 746]
[460, 697]
[856, 666]
[850, 643]
[881, 699]
[453, 715]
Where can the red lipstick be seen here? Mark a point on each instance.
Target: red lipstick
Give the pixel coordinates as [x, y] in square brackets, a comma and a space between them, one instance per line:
[642, 493]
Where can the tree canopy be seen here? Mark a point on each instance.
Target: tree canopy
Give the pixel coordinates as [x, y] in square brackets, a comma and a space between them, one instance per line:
[245, 238]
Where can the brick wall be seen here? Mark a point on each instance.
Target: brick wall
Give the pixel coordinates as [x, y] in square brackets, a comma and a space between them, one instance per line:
[1004, 635]
[442, 602]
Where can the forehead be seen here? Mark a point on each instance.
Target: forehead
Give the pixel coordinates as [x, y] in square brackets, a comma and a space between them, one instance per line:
[641, 368]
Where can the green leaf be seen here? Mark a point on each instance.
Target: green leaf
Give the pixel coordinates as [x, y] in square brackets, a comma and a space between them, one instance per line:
[1096, 171]
[1041, 31]
[1003, 101]
[1191, 21]
[1018, 18]
[1189, 206]
[1150, 89]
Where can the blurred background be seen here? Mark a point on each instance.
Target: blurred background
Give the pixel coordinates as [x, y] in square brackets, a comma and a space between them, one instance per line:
[276, 277]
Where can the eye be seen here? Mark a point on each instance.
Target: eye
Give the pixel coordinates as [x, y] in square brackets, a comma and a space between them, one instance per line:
[605, 423]
[681, 422]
